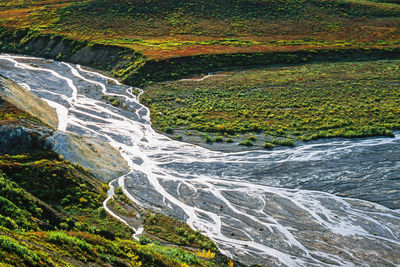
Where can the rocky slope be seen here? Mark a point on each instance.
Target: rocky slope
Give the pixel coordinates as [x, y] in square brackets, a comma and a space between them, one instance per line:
[20, 131]
[17, 95]
[34, 127]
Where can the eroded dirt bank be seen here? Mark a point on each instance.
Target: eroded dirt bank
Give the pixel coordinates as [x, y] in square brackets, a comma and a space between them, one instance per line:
[134, 69]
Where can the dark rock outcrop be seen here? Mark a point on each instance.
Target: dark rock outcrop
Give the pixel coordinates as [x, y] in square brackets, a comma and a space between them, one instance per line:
[17, 139]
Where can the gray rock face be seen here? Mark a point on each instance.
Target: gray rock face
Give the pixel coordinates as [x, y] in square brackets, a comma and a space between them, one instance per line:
[99, 157]
[24, 137]
[30, 103]
[104, 161]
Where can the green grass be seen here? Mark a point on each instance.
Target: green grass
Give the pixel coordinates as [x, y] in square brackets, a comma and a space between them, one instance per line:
[246, 142]
[54, 181]
[10, 245]
[57, 248]
[344, 99]
[121, 204]
[63, 239]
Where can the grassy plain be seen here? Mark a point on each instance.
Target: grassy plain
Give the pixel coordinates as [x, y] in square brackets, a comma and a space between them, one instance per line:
[302, 102]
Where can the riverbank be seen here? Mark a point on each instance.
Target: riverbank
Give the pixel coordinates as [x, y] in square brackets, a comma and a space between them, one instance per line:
[134, 68]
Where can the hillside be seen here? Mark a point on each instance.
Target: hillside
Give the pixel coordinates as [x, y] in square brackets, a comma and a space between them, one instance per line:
[165, 29]
[51, 215]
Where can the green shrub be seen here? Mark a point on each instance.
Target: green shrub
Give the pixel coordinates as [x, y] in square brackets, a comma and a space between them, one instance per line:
[208, 139]
[16, 194]
[64, 225]
[282, 142]
[178, 137]
[169, 130]
[144, 240]
[151, 218]
[253, 138]
[180, 231]
[13, 215]
[12, 246]
[102, 212]
[62, 238]
[7, 222]
[177, 254]
[219, 139]
[268, 146]
[116, 103]
[246, 142]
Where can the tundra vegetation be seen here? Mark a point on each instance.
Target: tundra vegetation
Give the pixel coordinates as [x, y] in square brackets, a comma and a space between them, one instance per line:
[164, 29]
[10, 114]
[51, 214]
[276, 106]
[282, 103]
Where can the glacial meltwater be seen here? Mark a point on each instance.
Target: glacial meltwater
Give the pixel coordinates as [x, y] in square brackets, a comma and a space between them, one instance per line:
[333, 202]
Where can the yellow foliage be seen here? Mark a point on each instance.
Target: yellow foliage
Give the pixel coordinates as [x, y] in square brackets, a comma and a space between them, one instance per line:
[83, 200]
[230, 263]
[205, 254]
[184, 265]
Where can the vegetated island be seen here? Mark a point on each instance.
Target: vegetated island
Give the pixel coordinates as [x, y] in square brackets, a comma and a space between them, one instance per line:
[280, 105]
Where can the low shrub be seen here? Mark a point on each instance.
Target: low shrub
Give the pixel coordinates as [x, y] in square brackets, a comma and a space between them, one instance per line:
[268, 146]
[13, 246]
[63, 238]
[246, 142]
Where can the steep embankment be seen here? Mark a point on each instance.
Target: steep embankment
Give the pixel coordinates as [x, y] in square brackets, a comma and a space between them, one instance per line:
[20, 131]
[15, 94]
[30, 124]
[134, 68]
